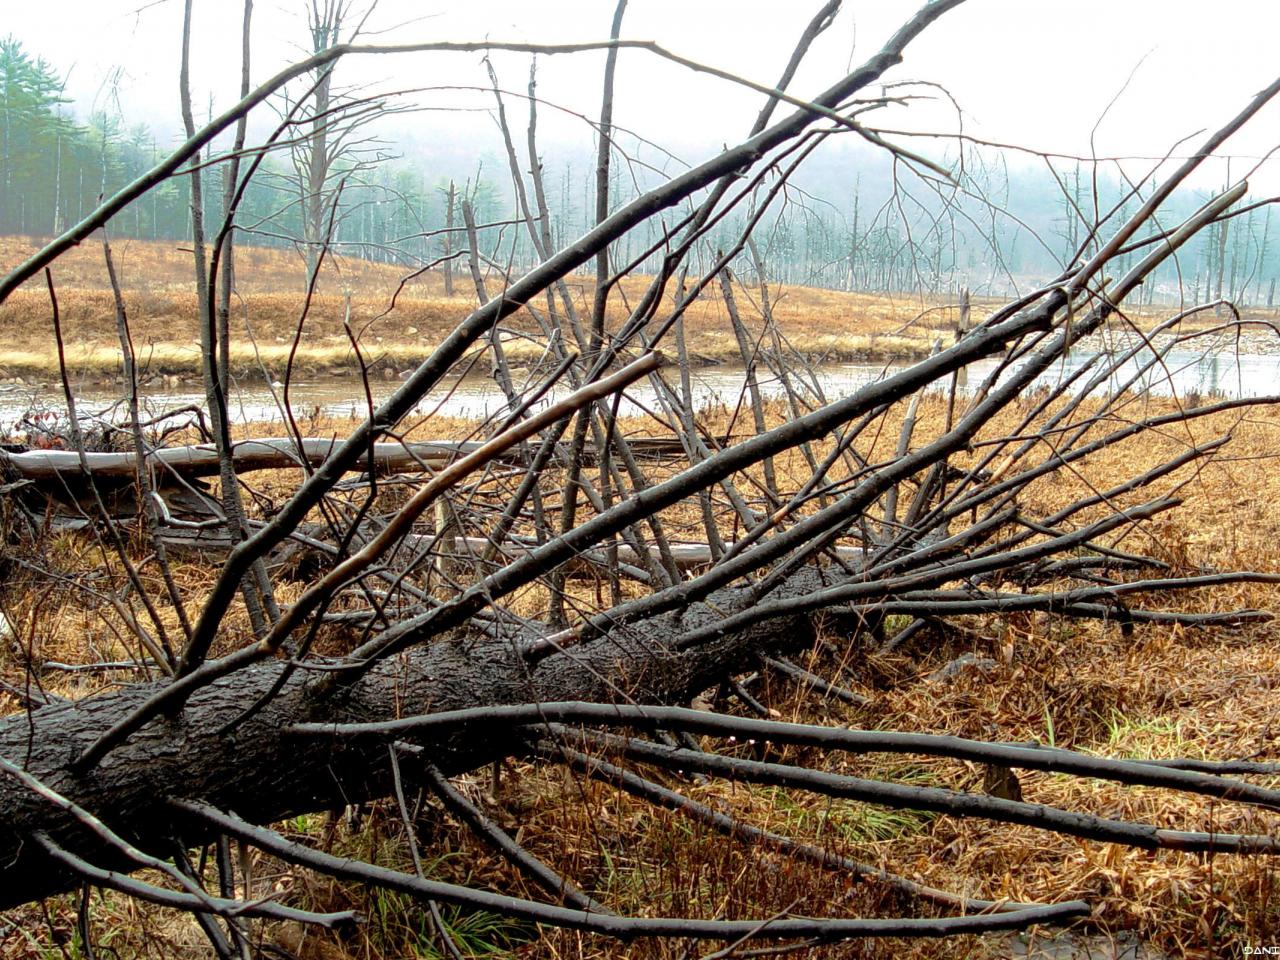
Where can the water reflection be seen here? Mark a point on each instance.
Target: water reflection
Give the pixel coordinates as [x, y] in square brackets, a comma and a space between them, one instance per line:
[477, 396]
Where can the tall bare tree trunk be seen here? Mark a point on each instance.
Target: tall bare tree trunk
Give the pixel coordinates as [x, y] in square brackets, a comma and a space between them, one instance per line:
[448, 242]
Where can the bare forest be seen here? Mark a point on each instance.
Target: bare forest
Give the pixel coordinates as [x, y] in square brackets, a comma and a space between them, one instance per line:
[595, 555]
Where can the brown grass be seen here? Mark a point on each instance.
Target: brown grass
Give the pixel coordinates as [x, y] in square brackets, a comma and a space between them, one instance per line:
[1162, 692]
[156, 277]
[160, 300]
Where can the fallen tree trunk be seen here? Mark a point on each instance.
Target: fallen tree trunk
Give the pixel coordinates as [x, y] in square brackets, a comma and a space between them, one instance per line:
[201, 460]
[265, 775]
[213, 544]
[59, 478]
[272, 453]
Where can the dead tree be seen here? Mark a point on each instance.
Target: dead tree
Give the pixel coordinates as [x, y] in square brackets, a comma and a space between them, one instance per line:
[334, 124]
[248, 731]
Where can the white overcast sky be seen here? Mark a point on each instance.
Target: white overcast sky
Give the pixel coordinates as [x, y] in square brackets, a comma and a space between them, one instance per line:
[1036, 72]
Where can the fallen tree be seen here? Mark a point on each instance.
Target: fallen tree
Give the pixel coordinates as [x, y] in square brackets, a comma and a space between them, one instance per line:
[271, 453]
[66, 478]
[452, 637]
[306, 750]
[192, 758]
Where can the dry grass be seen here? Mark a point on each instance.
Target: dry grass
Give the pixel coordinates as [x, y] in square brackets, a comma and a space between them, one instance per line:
[156, 277]
[1162, 692]
[160, 300]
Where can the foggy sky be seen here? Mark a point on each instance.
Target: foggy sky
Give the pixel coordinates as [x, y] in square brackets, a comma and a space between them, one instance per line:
[1034, 72]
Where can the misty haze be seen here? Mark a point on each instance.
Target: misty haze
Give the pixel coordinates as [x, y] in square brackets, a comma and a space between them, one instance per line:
[642, 479]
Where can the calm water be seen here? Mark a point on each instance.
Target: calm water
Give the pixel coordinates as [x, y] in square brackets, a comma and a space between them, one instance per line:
[478, 396]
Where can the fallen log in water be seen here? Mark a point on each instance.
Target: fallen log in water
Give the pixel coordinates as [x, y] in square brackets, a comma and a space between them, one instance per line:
[201, 460]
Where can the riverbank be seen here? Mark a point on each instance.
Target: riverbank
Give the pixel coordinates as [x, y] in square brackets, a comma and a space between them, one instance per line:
[402, 340]
[396, 322]
[278, 331]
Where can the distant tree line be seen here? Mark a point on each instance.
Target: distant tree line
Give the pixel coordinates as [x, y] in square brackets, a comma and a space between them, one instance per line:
[55, 167]
[875, 229]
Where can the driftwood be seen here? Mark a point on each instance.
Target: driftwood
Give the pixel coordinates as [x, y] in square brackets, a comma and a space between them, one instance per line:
[56, 479]
[202, 460]
[686, 555]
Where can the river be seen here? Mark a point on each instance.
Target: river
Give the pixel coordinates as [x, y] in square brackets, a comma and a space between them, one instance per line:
[477, 396]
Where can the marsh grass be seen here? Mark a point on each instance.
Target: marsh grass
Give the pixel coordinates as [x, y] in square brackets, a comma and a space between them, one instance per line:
[1165, 691]
[820, 325]
[156, 277]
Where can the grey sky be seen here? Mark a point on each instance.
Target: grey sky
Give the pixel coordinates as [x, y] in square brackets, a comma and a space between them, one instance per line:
[1037, 72]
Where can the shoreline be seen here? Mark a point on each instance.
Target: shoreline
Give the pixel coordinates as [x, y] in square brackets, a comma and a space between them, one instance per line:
[178, 364]
[166, 366]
